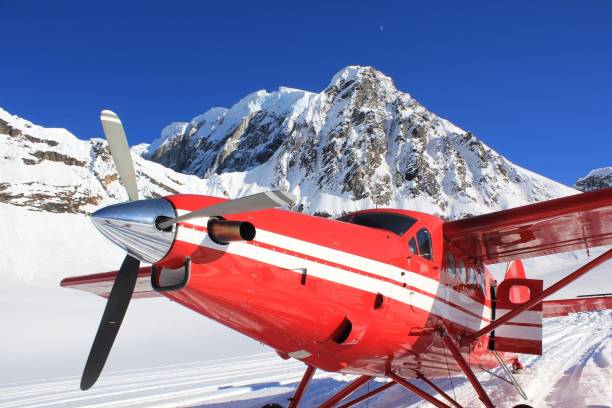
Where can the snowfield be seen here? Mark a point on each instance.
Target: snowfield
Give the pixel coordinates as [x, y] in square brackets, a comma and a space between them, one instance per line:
[168, 356]
[574, 372]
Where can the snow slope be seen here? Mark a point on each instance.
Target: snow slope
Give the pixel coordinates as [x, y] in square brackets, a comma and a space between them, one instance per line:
[574, 372]
[47, 169]
[48, 330]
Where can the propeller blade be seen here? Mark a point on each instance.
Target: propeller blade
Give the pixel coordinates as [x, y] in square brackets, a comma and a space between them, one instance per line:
[116, 306]
[117, 143]
[260, 201]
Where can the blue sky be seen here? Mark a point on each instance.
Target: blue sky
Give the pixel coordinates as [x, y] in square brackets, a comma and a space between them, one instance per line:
[531, 79]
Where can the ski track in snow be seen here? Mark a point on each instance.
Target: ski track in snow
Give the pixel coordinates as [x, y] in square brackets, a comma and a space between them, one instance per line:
[574, 371]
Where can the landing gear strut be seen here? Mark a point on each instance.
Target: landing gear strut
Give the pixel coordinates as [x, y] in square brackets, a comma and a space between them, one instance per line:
[482, 395]
[299, 392]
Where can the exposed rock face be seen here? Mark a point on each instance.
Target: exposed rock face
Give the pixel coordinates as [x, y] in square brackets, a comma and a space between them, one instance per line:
[595, 180]
[360, 143]
[360, 140]
[51, 170]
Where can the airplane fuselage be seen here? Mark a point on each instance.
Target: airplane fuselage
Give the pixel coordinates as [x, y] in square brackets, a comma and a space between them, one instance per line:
[336, 295]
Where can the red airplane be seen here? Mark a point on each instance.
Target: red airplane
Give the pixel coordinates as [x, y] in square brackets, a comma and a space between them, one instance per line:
[378, 293]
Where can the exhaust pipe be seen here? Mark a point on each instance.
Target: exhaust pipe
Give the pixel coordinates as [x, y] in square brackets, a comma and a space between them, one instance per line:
[223, 232]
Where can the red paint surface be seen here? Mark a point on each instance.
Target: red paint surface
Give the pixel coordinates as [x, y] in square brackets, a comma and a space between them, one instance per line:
[564, 307]
[272, 304]
[549, 227]
[102, 283]
[518, 294]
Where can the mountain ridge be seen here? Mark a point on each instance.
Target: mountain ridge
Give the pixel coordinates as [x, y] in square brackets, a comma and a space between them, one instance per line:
[360, 143]
[596, 179]
[49, 169]
[359, 139]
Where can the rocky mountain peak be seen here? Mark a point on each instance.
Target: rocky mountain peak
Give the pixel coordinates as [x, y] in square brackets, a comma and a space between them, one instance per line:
[353, 75]
[45, 169]
[359, 143]
[359, 140]
[595, 180]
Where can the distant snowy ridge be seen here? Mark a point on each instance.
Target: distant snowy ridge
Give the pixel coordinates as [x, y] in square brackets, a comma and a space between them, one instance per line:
[51, 170]
[595, 180]
[360, 143]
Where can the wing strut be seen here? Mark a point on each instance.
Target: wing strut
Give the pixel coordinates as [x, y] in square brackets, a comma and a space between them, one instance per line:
[368, 395]
[416, 390]
[537, 299]
[346, 391]
[439, 390]
[510, 376]
[482, 395]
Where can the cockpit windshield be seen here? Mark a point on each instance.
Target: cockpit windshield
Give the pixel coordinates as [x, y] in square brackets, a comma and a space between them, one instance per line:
[396, 223]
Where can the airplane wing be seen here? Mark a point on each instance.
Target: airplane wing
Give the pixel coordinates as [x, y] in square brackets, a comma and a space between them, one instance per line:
[564, 224]
[563, 307]
[101, 283]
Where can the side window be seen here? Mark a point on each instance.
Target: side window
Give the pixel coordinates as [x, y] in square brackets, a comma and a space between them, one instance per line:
[424, 241]
[461, 271]
[412, 246]
[481, 277]
[450, 265]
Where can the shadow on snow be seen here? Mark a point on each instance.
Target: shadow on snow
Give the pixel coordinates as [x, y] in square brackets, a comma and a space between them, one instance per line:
[322, 389]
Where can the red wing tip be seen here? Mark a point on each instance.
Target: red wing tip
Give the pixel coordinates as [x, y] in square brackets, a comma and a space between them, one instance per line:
[99, 277]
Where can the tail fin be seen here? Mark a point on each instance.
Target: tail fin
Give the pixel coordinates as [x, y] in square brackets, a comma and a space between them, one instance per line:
[515, 270]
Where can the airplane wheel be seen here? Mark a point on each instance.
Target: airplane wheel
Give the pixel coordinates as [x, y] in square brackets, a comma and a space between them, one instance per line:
[272, 406]
[522, 406]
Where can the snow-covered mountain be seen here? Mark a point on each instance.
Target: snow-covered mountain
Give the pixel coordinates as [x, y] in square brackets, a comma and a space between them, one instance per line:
[51, 170]
[595, 180]
[357, 144]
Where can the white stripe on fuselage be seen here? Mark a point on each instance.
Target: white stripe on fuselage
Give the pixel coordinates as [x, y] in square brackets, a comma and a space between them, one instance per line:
[348, 278]
[368, 265]
[337, 275]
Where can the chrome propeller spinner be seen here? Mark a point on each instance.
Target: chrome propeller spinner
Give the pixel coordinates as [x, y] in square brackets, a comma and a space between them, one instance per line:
[133, 227]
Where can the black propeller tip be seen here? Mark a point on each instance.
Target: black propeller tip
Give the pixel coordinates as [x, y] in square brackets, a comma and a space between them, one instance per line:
[87, 383]
[114, 312]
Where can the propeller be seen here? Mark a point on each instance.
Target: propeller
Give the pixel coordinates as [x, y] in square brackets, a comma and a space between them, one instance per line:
[120, 151]
[125, 282]
[116, 306]
[123, 288]
[254, 202]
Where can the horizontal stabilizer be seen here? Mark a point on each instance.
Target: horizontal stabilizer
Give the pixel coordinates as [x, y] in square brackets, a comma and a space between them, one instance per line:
[563, 307]
[102, 283]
